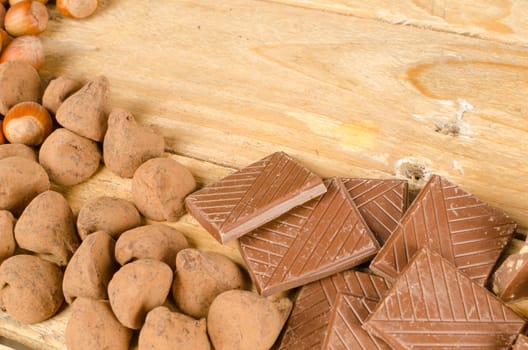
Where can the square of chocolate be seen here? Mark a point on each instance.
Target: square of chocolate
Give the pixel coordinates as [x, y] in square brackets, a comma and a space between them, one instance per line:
[382, 203]
[510, 280]
[317, 239]
[521, 343]
[345, 329]
[308, 324]
[253, 196]
[433, 305]
[449, 220]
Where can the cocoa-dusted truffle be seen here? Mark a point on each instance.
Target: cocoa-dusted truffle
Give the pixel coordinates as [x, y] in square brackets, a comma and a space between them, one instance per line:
[47, 227]
[90, 269]
[93, 325]
[167, 330]
[128, 144]
[137, 288]
[159, 187]
[30, 288]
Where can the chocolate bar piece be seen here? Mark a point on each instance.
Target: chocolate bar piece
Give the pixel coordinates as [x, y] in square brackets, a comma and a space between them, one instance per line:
[253, 196]
[521, 343]
[463, 229]
[433, 305]
[380, 202]
[510, 280]
[308, 323]
[344, 328]
[315, 240]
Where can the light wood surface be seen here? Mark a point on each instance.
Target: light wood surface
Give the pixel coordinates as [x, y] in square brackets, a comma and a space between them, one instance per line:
[497, 20]
[350, 88]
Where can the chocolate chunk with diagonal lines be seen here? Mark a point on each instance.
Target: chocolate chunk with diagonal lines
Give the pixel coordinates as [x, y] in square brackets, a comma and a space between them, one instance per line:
[521, 343]
[345, 331]
[447, 219]
[510, 280]
[308, 324]
[433, 305]
[253, 196]
[317, 239]
[380, 202]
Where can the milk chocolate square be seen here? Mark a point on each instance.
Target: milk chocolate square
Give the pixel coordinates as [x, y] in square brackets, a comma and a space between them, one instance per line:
[253, 196]
[521, 343]
[315, 240]
[433, 305]
[345, 329]
[449, 220]
[380, 202]
[308, 324]
[510, 280]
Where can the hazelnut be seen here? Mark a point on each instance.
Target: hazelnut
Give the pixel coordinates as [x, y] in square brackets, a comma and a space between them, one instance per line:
[27, 48]
[28, 123]
[26, 18]
[14, 2]
[2, 140]
[2, 15]
[77, 8]
[4, 38]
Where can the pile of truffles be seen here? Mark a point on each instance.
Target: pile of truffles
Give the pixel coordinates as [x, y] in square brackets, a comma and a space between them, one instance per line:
[120, 275]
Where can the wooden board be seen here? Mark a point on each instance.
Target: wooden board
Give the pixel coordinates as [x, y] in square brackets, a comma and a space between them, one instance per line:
[496, 20]
[342, 86]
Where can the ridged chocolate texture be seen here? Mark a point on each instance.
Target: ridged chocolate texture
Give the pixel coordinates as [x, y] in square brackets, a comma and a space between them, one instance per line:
[253, 196]
[345, 331]
[315, 240]
[307, 326]
[521, 343]
[380, 202]
[510, 280]
[435, 306]
[445, 218]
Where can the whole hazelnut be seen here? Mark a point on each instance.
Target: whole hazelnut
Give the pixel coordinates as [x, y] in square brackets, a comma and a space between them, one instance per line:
[28, 123]
[26, 48]
[26, 18]
[77, 8]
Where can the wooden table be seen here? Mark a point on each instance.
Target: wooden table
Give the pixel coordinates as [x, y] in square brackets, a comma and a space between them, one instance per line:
[347, 87]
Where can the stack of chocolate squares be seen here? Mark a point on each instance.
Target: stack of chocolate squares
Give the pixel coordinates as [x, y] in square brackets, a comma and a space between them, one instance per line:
[429, 264]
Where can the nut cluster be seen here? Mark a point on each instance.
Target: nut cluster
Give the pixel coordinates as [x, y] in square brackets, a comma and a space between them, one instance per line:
[21, 21]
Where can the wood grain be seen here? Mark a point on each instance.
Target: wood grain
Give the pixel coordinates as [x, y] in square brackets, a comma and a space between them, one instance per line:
[229, 82]
[497, 20]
